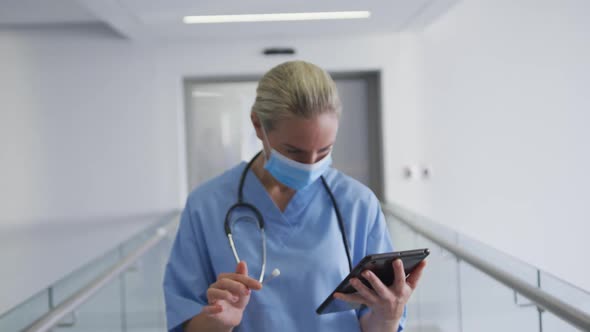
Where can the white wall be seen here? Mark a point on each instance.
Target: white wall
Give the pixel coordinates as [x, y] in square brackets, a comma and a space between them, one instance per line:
[80, 132]
[500, 92]
[94, 125]
[81, 138]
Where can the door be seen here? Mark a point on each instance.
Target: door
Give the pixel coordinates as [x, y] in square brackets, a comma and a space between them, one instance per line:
[219, 132]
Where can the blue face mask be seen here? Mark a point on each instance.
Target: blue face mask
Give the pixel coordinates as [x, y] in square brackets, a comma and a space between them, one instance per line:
[293, 174]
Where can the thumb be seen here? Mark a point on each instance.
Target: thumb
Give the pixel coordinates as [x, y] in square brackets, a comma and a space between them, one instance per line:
[242, 268]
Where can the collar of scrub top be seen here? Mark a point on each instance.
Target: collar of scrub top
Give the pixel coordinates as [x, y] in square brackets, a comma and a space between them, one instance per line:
[260, 220]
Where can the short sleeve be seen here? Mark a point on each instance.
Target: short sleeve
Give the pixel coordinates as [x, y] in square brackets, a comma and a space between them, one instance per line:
[188, 273]
[379, 241]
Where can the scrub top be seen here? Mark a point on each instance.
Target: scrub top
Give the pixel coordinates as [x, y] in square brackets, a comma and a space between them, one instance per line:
[304, 242]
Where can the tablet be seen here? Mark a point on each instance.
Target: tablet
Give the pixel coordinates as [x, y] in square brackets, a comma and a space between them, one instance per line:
[380, 264]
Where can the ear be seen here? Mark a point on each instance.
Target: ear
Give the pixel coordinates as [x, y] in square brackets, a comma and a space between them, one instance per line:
[257, 125]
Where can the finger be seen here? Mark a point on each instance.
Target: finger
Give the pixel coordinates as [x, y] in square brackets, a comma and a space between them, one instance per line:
[399, 274]
[242, 268]
[368, 294]
[354, 298]
[378, 286]
[236, 288]
[414, 277]
[244, 279]
[212, 309]
[216, 294]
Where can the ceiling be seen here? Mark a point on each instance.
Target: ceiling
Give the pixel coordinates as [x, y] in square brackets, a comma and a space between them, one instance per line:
[39, 12]
[162, 19]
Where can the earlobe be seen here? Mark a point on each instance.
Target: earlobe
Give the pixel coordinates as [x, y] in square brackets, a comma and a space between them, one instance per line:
[254, 119]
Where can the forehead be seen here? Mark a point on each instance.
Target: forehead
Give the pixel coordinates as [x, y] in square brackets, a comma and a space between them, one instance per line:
[316, 132]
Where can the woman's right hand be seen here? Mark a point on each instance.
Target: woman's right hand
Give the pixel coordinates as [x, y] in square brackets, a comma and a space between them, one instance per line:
[229, 295]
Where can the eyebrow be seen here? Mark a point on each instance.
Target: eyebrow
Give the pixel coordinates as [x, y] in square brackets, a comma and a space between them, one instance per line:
[289, 146]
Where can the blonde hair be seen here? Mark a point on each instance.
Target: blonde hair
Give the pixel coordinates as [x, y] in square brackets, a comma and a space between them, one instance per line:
[295, 88]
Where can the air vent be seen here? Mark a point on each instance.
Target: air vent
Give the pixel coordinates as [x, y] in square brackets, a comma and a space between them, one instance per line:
[279, 51]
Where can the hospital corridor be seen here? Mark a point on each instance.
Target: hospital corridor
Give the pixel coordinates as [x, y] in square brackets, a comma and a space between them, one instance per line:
[402, 165]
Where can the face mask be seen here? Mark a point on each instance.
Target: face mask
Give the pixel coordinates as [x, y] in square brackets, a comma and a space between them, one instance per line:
[291, 173]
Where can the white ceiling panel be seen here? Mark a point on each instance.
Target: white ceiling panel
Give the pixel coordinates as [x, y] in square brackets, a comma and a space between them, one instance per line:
[34, 12]
[161, 20]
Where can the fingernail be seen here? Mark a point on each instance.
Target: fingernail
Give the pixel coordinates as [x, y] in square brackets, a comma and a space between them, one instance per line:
[366, 274]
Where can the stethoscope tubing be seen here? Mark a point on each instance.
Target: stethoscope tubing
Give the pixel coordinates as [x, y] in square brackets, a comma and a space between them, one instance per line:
[260, 220]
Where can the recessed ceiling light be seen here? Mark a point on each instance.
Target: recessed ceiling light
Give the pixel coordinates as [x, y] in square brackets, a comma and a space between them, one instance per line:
[276, 17]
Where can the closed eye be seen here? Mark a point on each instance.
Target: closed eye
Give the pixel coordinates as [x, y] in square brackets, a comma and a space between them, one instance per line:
[293, 150]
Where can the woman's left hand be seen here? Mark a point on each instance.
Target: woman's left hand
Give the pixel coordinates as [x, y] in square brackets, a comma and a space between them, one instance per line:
[386, 303]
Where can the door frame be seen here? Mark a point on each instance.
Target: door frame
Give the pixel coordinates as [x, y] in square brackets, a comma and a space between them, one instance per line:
[374, 118]
[375, 124]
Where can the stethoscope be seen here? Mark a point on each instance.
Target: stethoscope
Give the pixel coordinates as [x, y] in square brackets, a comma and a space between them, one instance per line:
[260, 221]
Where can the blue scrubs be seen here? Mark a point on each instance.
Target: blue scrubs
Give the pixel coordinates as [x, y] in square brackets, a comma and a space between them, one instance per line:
[303, 242]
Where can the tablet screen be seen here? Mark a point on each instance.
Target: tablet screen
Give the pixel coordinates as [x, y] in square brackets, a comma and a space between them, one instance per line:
[381, 265]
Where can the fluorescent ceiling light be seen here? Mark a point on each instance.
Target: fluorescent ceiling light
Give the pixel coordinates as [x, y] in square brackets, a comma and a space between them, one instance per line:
[276, 17]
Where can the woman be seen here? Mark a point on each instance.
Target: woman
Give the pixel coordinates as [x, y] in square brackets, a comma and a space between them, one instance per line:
[313, 221]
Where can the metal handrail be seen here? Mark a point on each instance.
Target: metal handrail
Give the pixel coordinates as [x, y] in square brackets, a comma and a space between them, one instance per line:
[541, 298]
[53, 317]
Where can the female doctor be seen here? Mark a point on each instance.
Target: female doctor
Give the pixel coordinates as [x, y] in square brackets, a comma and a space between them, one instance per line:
[286, 210]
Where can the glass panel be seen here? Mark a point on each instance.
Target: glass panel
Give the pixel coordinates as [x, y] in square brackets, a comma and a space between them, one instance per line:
[488, 305]
[402, 236]
[502, 260]
[438, 291]
[552, 323]
[434, 227]
[435, 304]
[455, 296]
[134, 301]
[101, 313]
[137, 293]
[75, 281]
[567, 293]
[26, 313]
[452, 296]
[143, 291]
